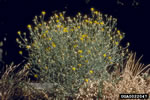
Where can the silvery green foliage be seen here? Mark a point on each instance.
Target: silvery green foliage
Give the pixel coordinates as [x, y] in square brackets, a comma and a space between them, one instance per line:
[68, 52]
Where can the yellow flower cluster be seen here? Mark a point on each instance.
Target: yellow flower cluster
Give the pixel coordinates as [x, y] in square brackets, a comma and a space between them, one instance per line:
[83, 37]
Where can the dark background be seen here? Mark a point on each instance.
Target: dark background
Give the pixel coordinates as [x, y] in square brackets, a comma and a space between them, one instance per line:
[133, 19]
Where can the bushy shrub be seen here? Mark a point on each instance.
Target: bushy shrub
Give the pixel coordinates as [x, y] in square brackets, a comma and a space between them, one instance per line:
[69, 52]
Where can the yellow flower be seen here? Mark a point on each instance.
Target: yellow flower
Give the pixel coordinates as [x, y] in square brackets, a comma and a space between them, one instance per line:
[102, 23]
[84, 35]
[73, 68]
[86, 21]
[86, 61]
[96, 22]
[75, 45]
[79, 65]
[86, 80]
[96, 12]
[49, 38]
[116, 43]
[81, 56]
[44, 35]
[19, 32]
[81, 38]
[104, 55]
[29, 26]
[28, 46]
[39, 24]
[91, 71]
[80, 51]
[20, 52]
[53, 44]
[57, 21]
[109, 57]
[58, 26]
[65, 30]
[121, 37]
[118, 31]
[92, 9]
[78, 27]
[90, 22]
[35, 75]
[61, 15]
[46, 31]
[43, 12]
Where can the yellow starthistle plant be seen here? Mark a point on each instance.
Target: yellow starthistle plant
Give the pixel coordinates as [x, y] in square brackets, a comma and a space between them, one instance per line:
[96, 34]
